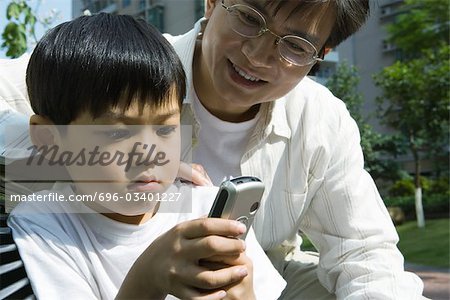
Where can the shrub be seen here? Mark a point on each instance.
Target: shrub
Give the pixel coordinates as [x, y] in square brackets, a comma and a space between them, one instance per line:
[440, 186]
[406, 203]
[404, 187]
[433, 204]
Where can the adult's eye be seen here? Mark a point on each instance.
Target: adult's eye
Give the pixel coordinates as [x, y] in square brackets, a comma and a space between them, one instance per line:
[294, 46]
[248, 18]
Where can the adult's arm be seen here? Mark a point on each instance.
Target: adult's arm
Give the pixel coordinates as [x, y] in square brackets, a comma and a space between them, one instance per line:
[13, 90]
[349, 224]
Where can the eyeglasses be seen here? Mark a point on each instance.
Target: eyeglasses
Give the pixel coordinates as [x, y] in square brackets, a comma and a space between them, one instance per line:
[250, 23]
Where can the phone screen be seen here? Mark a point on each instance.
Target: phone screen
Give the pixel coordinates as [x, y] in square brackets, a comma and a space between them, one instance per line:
[217, 209]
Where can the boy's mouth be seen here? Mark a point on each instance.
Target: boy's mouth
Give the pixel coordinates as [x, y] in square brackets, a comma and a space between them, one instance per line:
[145, 184]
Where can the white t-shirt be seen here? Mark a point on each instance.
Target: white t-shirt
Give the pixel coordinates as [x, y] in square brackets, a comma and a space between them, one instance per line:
[72, 252]
[222, 145]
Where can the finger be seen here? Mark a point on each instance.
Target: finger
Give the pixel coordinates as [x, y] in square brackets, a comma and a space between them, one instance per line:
[233, 260]
[210, 226]
[187, 172]
[199, 176]
[197, 294]
[215, 245]
[213, 266]
[205, 279]
[203, 172]
[216, 295]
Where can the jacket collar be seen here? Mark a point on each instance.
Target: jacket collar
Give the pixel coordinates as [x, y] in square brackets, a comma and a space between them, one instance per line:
[185, 47]
[274, 119]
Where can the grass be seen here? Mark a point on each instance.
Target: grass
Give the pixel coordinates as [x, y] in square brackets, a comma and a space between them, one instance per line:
[425, 246]
[306, 244]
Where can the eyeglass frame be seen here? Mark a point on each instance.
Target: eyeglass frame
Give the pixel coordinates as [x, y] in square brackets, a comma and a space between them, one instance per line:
[264, 29]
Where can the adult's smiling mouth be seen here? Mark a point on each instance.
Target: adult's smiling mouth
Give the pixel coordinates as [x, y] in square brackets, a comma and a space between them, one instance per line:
[244, 78]
[245, 75]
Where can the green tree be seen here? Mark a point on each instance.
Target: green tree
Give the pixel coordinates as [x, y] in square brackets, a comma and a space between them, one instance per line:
[19, 32]
[377, 148]
[424, 25]
[416, 94]
[343, 83]
[21, 25]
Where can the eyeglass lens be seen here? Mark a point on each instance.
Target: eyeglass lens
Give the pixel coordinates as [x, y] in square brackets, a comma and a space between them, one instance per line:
[249, 23]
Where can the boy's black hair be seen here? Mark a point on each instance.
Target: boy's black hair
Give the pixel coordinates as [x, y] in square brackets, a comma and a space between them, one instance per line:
[94, 63]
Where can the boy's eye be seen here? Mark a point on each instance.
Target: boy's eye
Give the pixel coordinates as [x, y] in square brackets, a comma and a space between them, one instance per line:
[165, 130]
[117, 134]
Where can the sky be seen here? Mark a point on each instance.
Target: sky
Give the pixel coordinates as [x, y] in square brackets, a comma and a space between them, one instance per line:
[44, 9]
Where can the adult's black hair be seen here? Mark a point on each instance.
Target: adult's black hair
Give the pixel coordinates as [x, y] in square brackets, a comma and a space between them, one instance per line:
[350, 15]
[94, 63]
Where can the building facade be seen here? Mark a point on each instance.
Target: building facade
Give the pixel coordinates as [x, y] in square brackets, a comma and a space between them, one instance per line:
[369, 51]
[171, 16]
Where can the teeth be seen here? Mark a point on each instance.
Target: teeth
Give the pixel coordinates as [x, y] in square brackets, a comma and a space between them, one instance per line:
[245, 75]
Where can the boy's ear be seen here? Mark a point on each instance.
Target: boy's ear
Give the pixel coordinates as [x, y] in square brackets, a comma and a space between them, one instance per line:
[209, 7]
[43, 131]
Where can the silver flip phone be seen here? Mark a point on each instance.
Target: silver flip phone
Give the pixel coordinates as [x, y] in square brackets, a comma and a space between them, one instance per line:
[238, 199]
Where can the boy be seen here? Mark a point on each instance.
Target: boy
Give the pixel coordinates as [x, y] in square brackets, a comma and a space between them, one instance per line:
[91, 81]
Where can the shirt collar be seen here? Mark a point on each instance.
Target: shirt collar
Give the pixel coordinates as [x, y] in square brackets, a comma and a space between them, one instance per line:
[274, 118]
[185, 47]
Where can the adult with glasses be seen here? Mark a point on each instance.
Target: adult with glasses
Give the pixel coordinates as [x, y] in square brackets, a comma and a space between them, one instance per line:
[254, 112]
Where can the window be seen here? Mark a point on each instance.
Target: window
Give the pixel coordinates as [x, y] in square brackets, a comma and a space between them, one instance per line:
[387, 47]
[155, 16]
[126, 3]
[142, 4]
[199, 9]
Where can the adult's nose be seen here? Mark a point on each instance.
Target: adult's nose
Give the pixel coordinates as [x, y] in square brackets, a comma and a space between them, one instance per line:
[261, 51]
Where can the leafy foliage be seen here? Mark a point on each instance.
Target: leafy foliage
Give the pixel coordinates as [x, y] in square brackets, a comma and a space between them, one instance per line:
[416, 89]
[423, 27]
[406, 187]
[21, 22]
[416, 100]
[376, 147]
[343, 83]
[432, 204]
[440, 186]
[19, 32]
[402, 188]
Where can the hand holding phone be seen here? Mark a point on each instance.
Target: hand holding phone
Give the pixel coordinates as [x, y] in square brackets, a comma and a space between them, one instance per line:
[238, 199]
